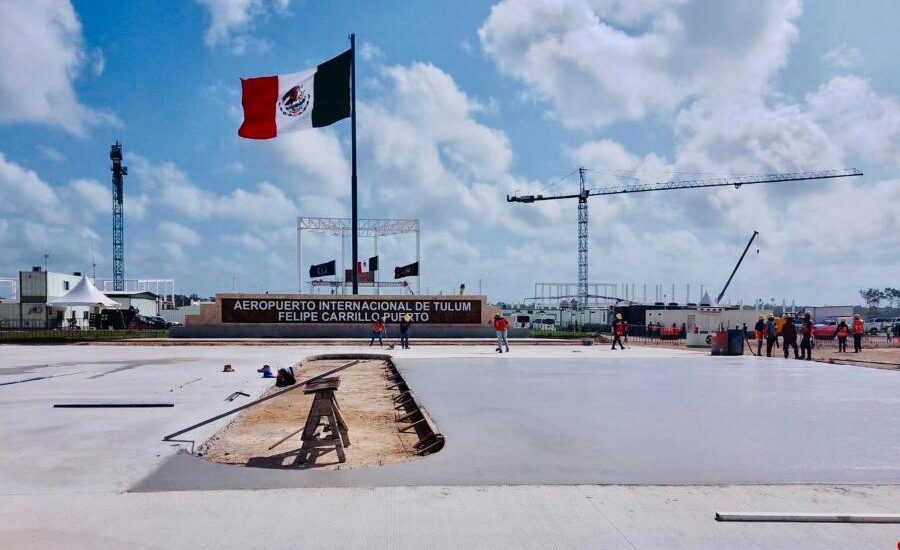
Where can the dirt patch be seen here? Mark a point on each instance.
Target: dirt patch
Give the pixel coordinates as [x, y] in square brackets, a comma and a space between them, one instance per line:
[887, 358]
[367, 407]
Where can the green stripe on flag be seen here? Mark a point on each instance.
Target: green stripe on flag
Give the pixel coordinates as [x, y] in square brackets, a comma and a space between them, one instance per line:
[331, 91]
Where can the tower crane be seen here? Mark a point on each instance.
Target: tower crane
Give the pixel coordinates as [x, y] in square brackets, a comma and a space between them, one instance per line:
[118, 195]
[584, 193]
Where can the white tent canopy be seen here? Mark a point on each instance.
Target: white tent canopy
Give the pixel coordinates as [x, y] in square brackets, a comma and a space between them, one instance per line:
[84, 294]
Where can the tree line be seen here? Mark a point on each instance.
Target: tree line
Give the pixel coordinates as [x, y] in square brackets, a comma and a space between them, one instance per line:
[874, 297]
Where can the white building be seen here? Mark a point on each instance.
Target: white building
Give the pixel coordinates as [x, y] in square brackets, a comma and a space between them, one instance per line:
[35, 288]
[146, 303]
[177, 315]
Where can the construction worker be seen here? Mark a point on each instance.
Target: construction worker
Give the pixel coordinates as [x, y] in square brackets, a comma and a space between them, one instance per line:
[842, 332]
[405, 323]
[771, 335]
[859, 328]
[759, 331]
[618, 331]
[806, 329]
[377, 331]
[501, 326]
[789, 336]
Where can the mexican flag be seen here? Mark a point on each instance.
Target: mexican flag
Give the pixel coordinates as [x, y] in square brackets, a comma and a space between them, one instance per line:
[313, 98]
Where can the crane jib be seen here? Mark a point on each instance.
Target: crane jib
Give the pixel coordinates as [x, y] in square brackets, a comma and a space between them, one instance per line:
[584, 193]
[695, 184]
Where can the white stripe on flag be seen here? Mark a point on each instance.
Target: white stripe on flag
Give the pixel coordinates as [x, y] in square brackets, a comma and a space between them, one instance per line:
[295, 101]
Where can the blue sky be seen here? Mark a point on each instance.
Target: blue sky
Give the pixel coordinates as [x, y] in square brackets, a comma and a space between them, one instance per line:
[460, 104]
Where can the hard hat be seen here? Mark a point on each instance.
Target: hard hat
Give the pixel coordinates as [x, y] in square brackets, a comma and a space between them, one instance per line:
[761, 317]
[771, 316]
[618, 315]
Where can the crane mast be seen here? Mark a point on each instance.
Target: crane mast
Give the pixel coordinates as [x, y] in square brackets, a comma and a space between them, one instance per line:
[582, 242]
[118, 179]
[584, 193]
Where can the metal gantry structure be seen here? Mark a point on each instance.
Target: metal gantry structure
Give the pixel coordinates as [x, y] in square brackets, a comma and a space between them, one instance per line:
[119, 172]
[343, 227]
[584, 193]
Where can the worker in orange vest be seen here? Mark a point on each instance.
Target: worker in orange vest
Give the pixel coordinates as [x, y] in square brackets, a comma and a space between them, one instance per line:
[842, 332]
[619, 330]
[377, 331]
[501, 326]
[859, 328]
[760, 333]
[806, 344]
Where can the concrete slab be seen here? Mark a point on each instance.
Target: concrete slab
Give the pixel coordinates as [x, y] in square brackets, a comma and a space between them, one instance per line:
[498, 517]
[677, 420]
[90, 450]
[64, 477]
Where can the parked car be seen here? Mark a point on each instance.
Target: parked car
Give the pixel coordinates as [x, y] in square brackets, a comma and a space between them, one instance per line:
[143, 322]
[878, 324]
[170, 324]
[825, 330]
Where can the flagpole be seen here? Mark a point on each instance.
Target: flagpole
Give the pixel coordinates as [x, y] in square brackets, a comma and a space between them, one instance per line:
[353, 209]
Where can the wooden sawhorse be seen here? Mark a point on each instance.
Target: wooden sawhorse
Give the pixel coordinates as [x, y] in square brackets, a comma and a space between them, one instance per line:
[324, 406]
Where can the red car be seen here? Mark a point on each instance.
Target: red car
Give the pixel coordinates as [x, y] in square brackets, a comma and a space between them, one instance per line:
[825, 330]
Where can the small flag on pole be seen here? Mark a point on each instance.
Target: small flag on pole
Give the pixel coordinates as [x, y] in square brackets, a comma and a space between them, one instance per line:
[362, 277]
[316, 97]
[411, 270]
[373, 263]
[322, 270]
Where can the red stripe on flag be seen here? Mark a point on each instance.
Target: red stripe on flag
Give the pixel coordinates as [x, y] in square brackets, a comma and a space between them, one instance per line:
[259, 98]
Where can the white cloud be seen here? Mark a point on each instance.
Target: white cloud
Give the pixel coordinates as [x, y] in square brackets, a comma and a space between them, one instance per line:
[602, 61]
[843, 56]
[25, 193]
[314, 162]
[93, 196]
[45, 34]
[51, 154]
[245, 240]
[234, 166]
[36, 217]
[171, 189]
[179, 234]
[370, 52]
[231, 20]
